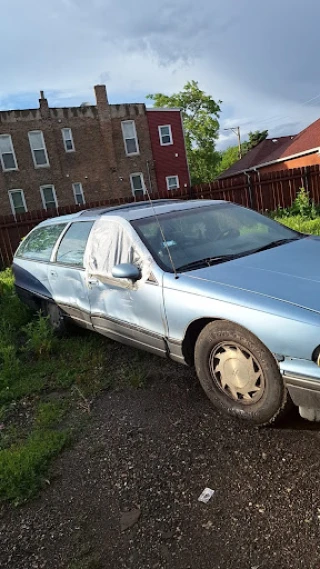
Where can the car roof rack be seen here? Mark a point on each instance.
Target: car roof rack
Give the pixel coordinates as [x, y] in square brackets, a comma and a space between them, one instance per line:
[132, 205]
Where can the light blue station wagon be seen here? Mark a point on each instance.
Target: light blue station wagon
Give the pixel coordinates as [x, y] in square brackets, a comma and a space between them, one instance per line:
[205, 283]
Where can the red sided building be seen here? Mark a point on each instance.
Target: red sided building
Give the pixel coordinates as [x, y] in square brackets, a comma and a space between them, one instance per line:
[168, 149]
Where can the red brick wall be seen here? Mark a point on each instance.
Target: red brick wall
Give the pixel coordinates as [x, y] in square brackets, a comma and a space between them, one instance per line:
[307, 160]
[99, 161]
[168, 160]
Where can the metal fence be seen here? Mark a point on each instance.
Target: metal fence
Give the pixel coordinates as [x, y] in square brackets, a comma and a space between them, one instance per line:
[262, 192]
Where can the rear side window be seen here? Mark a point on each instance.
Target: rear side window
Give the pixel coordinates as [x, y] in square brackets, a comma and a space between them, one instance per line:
[40, 243]
[72, 247]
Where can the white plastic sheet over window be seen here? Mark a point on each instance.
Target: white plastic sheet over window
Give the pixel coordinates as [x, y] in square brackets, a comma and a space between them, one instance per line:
[112, 242]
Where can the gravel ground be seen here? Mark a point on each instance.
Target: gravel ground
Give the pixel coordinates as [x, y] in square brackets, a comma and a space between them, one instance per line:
[144, 460]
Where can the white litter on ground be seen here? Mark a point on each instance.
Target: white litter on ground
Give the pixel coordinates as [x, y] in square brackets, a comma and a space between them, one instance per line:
[206, 495]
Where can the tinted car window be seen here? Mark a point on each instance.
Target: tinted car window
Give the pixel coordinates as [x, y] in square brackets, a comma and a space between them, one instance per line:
[72, 247]
[40, 243]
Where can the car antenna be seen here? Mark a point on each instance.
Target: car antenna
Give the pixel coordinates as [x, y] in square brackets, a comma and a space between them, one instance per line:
[162, 234]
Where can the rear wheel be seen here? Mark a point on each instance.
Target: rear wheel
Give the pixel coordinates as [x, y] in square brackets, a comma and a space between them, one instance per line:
[239, 374]
[56, 318]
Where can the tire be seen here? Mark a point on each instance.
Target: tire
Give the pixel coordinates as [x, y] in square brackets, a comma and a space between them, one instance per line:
[56, 318]
[239, 374]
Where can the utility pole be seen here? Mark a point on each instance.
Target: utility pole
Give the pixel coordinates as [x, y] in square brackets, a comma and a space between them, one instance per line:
[236, 131]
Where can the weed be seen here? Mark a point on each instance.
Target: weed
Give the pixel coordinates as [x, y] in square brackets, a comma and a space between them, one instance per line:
[302, 207]
[298, 223]
[84, 402]
[3, 413]
[14, 314]
[25, 384]
[136, 376]
[24, 466]
[40, 339]
[9, 364]
[49, 414]
[8, 436]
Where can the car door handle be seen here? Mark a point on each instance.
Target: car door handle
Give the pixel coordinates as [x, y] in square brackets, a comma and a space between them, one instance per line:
[93, 282]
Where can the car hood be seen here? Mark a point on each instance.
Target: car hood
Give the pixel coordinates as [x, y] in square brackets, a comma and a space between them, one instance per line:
[290, 273]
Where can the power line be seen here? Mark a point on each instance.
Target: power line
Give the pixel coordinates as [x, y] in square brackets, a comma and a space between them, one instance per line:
[278, 117]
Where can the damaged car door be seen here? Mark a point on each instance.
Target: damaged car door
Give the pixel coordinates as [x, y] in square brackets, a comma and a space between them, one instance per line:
[124, 287]
[66, 275]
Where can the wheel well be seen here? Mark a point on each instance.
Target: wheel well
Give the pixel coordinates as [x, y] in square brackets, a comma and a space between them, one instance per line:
[192, 334]
[191, 337]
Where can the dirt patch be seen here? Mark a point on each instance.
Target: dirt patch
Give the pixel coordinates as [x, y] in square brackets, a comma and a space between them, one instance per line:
[154, 450]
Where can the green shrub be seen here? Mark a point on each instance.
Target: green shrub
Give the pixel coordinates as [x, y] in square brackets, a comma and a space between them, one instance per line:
[302, 207]
[280, 213]
[24, 466]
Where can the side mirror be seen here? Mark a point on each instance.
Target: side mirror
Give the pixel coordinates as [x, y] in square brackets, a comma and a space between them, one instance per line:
[126, 271]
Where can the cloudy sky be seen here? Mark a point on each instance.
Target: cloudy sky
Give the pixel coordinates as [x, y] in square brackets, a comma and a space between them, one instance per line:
[259, 58]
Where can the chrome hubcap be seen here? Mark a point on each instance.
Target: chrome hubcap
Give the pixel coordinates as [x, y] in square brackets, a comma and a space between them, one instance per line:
[237, 372]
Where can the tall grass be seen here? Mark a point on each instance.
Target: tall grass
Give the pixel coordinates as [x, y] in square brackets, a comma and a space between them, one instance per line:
[299, 223]
[23, 466]
[24, 460]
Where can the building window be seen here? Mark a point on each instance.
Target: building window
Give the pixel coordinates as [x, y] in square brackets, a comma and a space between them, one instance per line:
[130, 138]
[8, 157]
[38, 149]
[68, 140]
[48, 196]
[17, 201]
[78, 193]
[172, 182]
[165, 135]
[137, 184]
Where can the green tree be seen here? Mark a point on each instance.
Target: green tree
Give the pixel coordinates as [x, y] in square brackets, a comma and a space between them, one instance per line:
[200, 118]
[227, 158]
[254, 139]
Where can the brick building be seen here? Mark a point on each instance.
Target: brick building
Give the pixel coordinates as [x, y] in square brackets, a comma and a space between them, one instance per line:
[53, 157]
[166, 128]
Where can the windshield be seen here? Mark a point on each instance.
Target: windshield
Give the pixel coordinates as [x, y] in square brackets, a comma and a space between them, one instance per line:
[213, 233]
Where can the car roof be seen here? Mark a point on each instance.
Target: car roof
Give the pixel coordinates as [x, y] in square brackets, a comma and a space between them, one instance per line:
[134, 210]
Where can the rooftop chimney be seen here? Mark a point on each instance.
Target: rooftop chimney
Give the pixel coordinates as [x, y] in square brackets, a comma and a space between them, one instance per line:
[101, 96]
[104, 113]
[44, 107]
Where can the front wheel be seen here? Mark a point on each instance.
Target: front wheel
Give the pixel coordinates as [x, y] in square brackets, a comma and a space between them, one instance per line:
[239, 374]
